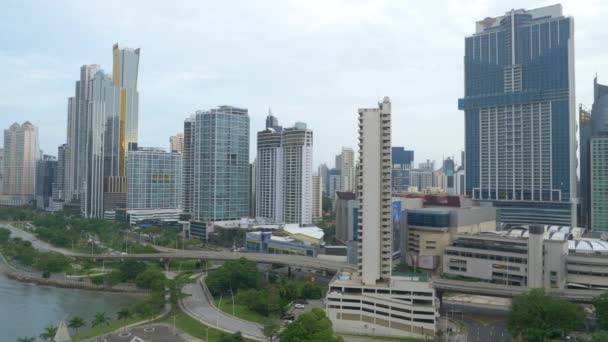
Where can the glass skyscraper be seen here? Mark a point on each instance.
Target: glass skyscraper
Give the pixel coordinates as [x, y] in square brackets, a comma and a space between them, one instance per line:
[594, 160]
[520, 116]
[221, 164]
[402, 160]
[155, 179]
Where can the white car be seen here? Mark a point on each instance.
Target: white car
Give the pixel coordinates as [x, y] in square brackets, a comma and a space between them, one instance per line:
[299, 306]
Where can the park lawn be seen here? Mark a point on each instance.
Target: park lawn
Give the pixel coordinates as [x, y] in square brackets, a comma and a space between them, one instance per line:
[193, 327]
[104, 329]
[240, 311]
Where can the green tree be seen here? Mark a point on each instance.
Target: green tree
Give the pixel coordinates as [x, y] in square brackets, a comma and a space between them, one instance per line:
[151, 279]
[130, 269]
[5, 235]
[76, 323]
[236, 337]
[311, 326]
[312, 290]
[123, 314]
[51, 262]
[26, 339]
[601, 310]
[100, 319]
[235, 275]
[48, 333]
[271, 329]
[327, 204]
[600, 336]
[537, 316]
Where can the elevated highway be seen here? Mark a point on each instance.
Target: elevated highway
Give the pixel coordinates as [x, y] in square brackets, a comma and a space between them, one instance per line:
[496, 290]
[274, 259]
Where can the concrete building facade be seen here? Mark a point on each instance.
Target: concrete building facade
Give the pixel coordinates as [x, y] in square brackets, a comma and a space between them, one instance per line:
[21, 152]
[317, 198]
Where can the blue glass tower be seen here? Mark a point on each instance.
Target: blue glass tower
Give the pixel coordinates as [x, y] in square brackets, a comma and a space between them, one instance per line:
[520, 116]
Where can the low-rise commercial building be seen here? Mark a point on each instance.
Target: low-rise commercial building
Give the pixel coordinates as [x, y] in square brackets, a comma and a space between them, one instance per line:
[555, 257]
[291, 239]
[433, 221]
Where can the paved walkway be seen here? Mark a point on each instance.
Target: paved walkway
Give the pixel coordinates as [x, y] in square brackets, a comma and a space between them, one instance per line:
[38, 244]
[197, 306]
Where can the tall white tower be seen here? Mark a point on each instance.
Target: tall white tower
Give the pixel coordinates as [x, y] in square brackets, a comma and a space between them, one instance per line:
[375, 231]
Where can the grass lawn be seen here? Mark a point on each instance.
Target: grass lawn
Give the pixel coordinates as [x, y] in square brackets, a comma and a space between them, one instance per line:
[103, 329]
[240, 311]
[193, 327]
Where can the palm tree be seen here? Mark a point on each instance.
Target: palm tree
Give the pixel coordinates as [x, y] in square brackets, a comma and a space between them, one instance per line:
[123, 314]
[100, 319]
[76, 323]
[26, 339]
[49, 333]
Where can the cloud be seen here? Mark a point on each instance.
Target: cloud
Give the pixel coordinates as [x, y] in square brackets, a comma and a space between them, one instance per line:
[310, 60]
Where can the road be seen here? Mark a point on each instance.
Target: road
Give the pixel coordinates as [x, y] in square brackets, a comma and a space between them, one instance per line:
[197, 306]
[477, 331]
[38, 244]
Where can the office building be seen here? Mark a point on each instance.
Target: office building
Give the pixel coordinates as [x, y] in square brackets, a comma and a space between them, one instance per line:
[1, 169]
[346, 209]
[155, 179]
[220, 169]
[46, 172]
[421, 179]
[176, 143]
[21, 152]
[594, 156]
[252, 189]
[374, 302]
[347, 169]
[519, 113]
[599, 182]
[284, 181]
[317, 198]
[323, 171]
[334, 182]
[400, 168]
[58, 186]
[76, 138]
[109, 114]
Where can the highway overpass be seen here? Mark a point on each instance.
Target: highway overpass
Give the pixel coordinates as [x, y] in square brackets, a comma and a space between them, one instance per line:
[274, 259]
[497, 290]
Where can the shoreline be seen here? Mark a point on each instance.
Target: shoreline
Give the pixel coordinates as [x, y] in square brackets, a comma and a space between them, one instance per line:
[23, 277]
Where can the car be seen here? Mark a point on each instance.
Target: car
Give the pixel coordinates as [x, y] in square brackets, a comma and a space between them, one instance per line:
[288, 317]
[300, 306]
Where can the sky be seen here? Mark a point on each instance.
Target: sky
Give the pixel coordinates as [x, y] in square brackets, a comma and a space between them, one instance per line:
[315, 61]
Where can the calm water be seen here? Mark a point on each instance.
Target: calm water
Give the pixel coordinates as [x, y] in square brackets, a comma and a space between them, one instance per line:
[25, 309]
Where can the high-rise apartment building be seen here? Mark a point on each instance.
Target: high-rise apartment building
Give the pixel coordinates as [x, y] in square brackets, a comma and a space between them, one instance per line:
[21, 152]
[334, 182]
[284, 188]
[111, 131]
[1, 169]
[347, 169]
[402, 160]
[220, 165]
[58, 186]
[376, 302]
[317, 198]
[188, 165]
[594, 160]
[520, 116]
[77, 128]
[177, 143]
[46, 173]
[155, 179]
[375, 193]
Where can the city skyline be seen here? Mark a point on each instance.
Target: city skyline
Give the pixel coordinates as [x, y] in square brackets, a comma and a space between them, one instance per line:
[50, 76]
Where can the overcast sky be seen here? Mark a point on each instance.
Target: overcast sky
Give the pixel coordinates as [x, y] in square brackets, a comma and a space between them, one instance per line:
[311, 61]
